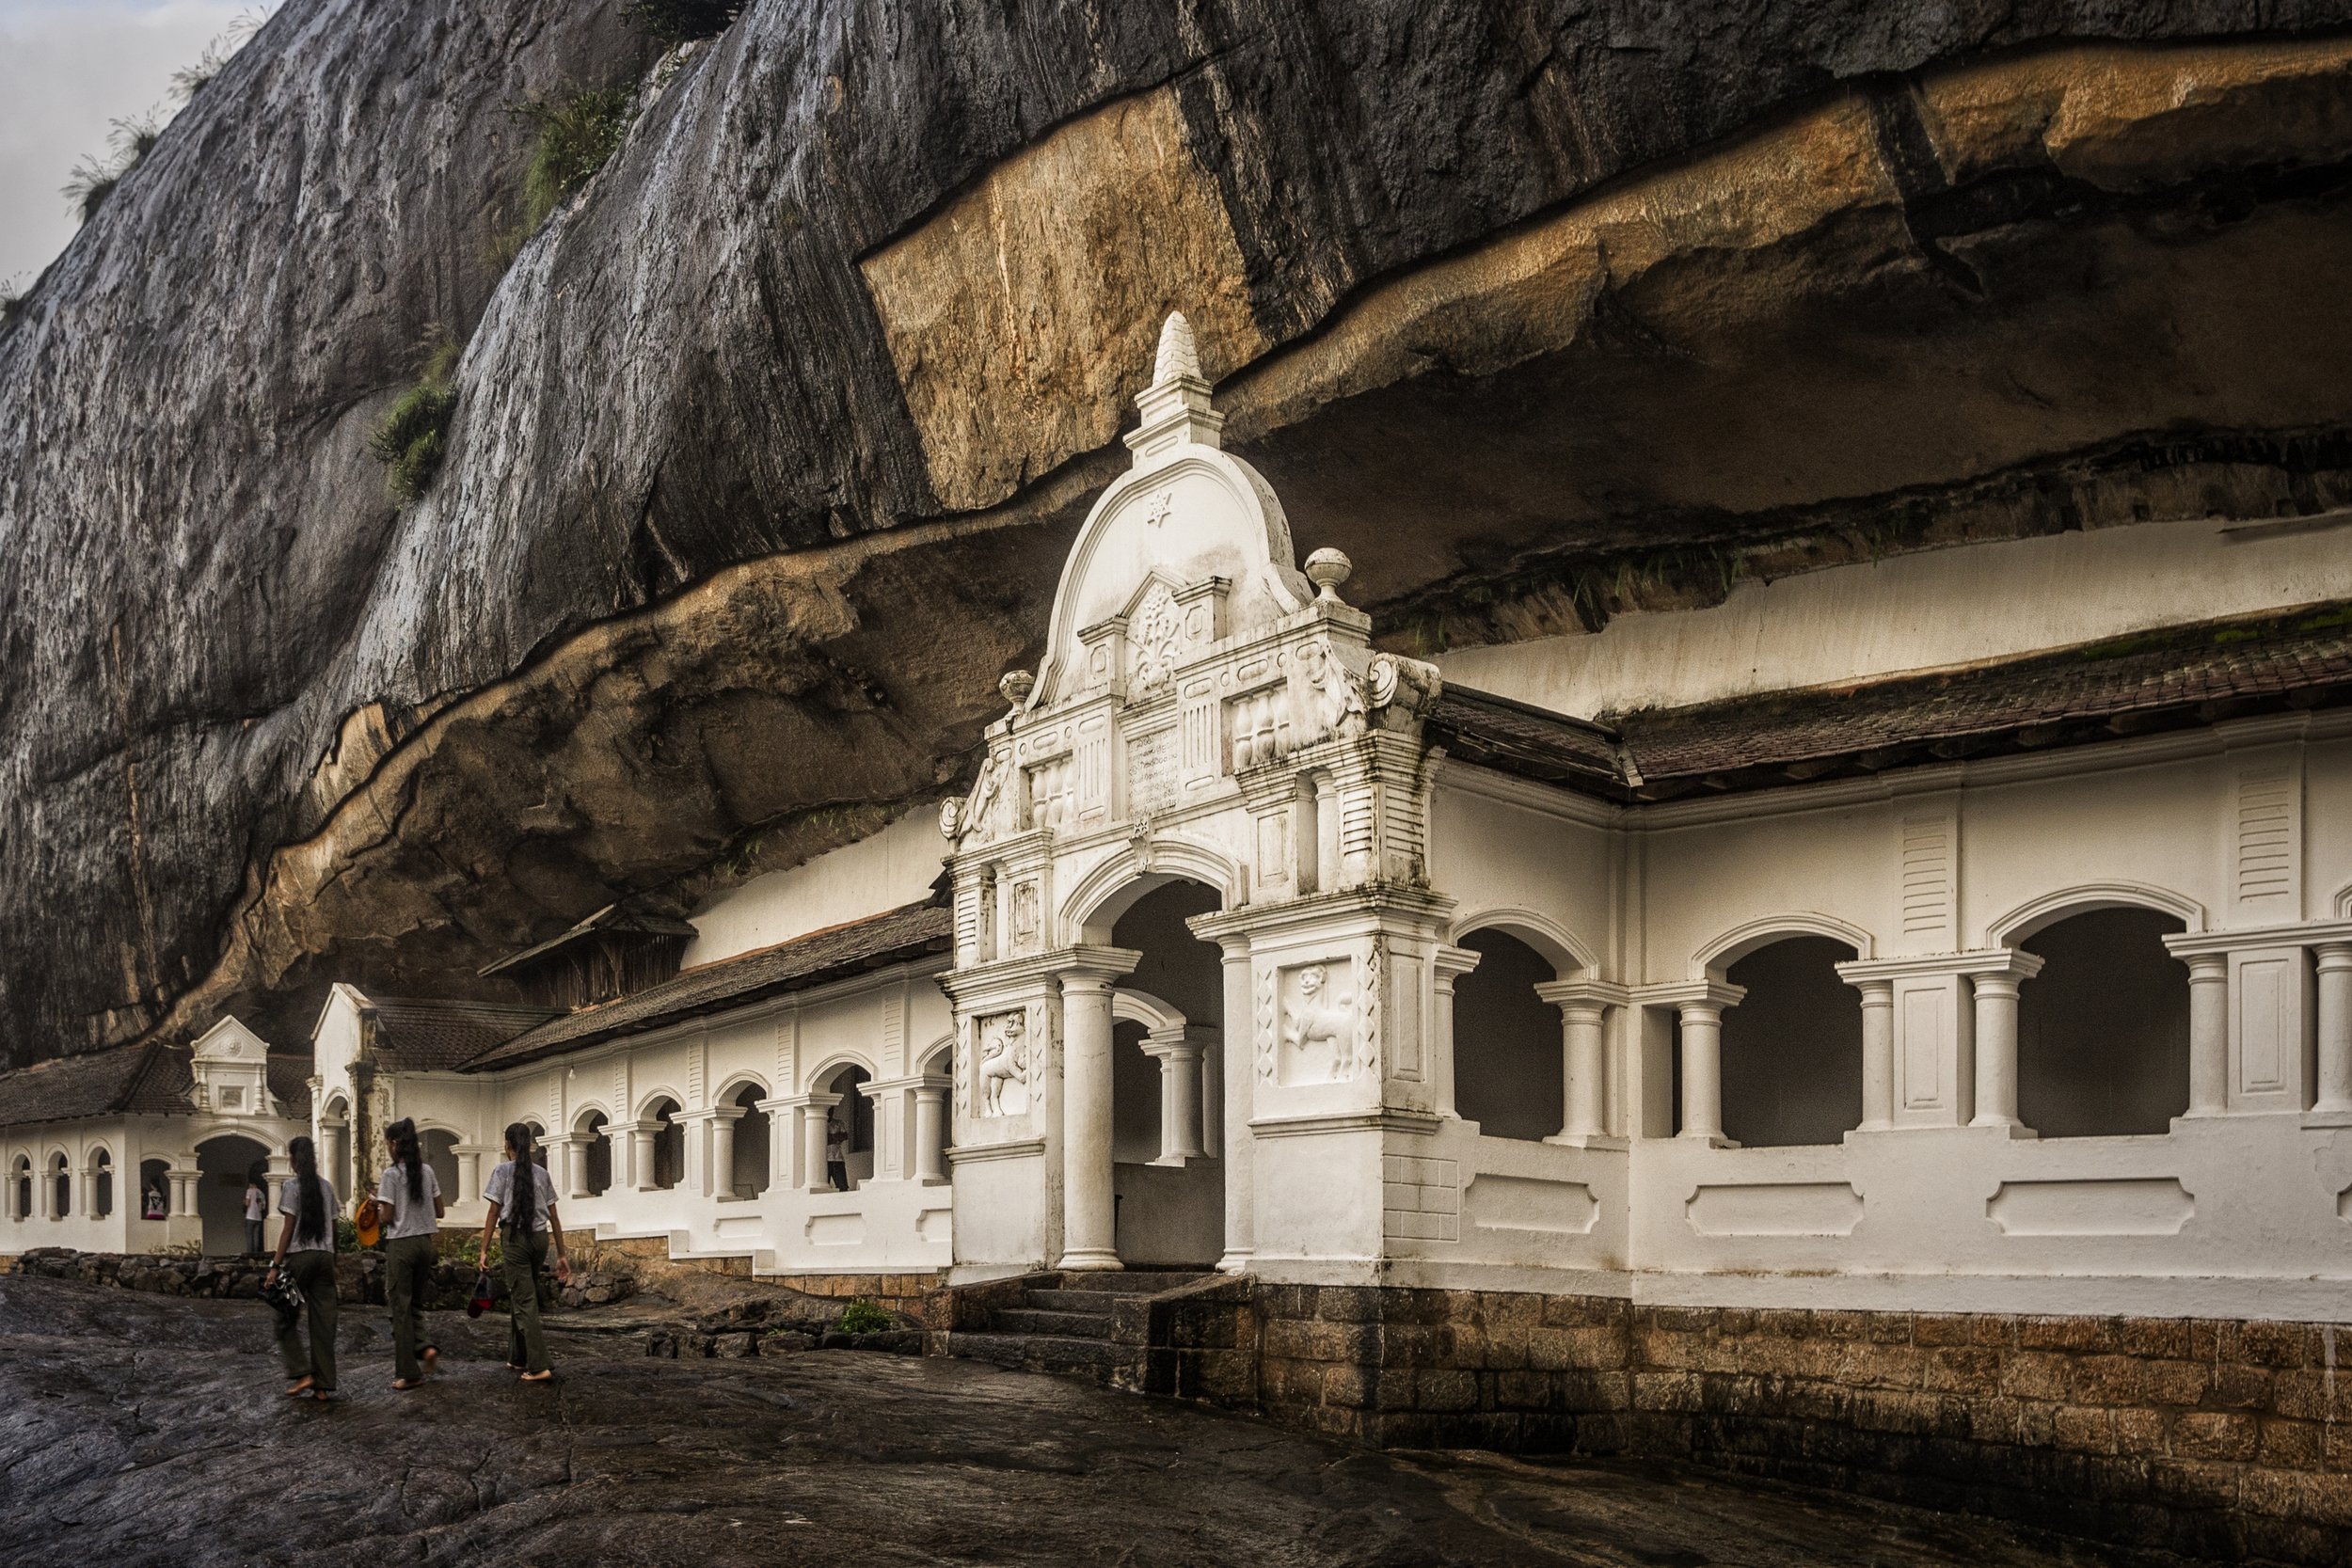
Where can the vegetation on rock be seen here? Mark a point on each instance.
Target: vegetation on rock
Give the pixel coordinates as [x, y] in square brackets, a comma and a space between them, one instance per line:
[577, 132]
[412, 438]
[95, 179]
[863, 1317]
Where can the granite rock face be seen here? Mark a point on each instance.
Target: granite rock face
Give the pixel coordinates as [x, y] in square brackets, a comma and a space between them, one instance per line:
[768, 446]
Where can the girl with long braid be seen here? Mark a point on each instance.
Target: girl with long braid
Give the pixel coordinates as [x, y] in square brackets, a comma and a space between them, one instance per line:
[306, 1255]
[410, 1194]
[523, 1195]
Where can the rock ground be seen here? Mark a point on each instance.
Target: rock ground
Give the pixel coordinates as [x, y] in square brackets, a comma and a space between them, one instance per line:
[139, 1430]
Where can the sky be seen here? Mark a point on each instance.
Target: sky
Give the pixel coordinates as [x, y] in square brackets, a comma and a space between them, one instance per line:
[67, 68]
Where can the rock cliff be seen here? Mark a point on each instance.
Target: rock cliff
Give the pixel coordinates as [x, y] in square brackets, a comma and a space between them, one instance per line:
[767, 445]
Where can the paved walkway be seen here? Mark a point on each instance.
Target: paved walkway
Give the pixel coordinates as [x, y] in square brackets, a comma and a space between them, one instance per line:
[142, 1429]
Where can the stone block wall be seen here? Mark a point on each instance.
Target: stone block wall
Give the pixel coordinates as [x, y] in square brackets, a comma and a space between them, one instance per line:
[2223, 1439]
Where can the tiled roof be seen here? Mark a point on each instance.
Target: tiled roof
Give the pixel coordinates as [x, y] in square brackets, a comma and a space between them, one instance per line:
[94, 1083]
[290, 1085]
[903, 933]
[419, 1035]
[165, 1086]
[2170, 679]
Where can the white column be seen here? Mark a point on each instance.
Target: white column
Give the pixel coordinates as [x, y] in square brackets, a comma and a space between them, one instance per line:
[1450, 964]
[1703, 1061]
[782, 1121]
[1995, 997]
[1241, 1087]
[2208, 1034]
[1878, 1055]
[930, 1119]
[470, 1178]
[184, 1194]
[722, 1120]
[641, 1162]
[1180, 1095]
[814, 1109]
[575, 1166]
[2335, 1027]
[1088, 1241]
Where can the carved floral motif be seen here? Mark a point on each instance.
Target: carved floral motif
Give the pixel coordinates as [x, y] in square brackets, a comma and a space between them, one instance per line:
[1155, 640]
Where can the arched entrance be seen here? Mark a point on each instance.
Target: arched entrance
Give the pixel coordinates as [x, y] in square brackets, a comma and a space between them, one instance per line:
[1167, 1017]
[223, 1166]
[749, 1165]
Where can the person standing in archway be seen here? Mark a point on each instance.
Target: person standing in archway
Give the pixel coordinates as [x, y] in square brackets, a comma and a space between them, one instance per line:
[836, 1152]
[305, 1254]
[256, 1212]
[408, 1201]
[522, 1193]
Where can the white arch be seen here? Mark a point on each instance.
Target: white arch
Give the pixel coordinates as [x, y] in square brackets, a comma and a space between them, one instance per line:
[1743, 940]
[1560, 947]
[942, 1051]
[2344, 903]
[646, 1102]
[1141, 1006]
[1114, 887]
[833, 1062]
[587, 1108]
[2050, 908]
[732, 1084]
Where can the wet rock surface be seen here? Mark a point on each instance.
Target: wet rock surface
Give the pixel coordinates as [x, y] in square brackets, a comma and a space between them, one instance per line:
[765, 458]
[136, 1429]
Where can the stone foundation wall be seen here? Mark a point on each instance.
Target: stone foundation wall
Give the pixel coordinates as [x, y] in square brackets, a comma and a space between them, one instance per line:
[2224, 1438]
[900, 1292]
[359, 1278]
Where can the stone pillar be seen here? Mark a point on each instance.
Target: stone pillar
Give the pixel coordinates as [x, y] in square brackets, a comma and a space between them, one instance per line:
[1180, 1095]
[1878, 1055]
[813, 1175]
[930, 1120]
[1241, 1064]
[722, 1120]
[1702, 1070]
[1584, 1006]
[2208, 1034]
[1088, 1241]
[470, 1178]
[1996, 996]
[641, 1164]
[183, 1191]
[1450, 964]
[575, 1157]
[782, 1121]
[2335, 1029]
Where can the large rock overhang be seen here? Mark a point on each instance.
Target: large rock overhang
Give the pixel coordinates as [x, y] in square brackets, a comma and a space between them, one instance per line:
[2075, 285]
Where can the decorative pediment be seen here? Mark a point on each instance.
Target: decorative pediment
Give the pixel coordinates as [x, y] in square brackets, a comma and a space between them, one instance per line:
[1188, 515]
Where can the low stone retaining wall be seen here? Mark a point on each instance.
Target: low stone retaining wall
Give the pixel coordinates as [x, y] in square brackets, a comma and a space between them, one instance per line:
[2229, 1439]
[780, 1325]
[359, 1278]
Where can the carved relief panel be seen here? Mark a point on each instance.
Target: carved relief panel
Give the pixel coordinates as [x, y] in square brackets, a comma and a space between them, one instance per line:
[1006, 1062]
[1310, 1031]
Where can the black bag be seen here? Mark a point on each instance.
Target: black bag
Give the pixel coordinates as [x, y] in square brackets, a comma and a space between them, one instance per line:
[278, 1292]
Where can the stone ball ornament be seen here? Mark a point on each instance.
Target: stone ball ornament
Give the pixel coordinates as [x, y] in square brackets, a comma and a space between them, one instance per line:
[1016, 687]
[1326, 569]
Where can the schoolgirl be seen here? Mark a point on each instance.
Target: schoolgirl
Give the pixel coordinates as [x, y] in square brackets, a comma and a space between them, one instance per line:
[408, 1205]
[527, 1204]
[306, 1255]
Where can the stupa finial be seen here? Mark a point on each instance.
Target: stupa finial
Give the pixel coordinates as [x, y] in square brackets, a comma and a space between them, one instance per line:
[1179, 356]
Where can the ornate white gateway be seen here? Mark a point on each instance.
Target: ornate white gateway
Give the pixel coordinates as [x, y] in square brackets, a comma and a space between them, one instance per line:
[1206, 713]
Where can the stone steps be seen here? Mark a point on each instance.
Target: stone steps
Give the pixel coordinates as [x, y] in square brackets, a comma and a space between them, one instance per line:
[1065, 1326]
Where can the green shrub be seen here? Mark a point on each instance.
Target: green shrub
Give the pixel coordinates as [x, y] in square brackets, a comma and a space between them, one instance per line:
[94, 179]
[677, 21]
[577, 132]
[412, 438]
[346, 1234]
[863, 1317]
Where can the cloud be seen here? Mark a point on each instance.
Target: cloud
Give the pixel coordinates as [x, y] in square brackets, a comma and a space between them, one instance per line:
[67, 68]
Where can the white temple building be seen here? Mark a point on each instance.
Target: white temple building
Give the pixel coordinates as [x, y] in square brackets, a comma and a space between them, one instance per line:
[1968, 932]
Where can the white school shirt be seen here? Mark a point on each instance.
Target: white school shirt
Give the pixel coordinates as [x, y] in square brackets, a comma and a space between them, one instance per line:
[409, 1218]
[502, 1183]
[256, 1201]
[289, 1202]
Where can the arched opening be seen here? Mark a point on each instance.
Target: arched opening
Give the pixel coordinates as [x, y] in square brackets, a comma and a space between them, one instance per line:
[334, 1144]
[848, 1128]
[749, 1171]
[932, 1157]
[1508, 1061]
[440, 1149]
[1792, 1047]
[1167, 1188]
[669, 1143]
[2103, 1030]
[224, 1165]
[20, 1188]
[597, 1159]
[60, 1186]
[154, 1189]
[102, 1180]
